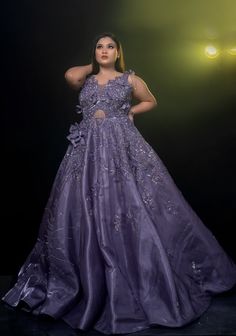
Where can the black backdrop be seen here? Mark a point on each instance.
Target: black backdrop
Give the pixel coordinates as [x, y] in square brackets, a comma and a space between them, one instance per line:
[41, 39]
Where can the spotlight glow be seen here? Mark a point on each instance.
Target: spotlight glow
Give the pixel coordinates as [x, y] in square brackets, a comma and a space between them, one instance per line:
[211, 51]
[232, 51]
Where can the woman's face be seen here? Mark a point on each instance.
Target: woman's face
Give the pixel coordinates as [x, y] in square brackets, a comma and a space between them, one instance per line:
[106, 52]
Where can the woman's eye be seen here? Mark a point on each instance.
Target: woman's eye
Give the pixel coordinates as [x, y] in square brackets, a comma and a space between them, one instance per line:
[99, 46]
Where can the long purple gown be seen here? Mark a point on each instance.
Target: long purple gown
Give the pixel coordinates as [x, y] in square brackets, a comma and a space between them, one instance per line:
[119, 249]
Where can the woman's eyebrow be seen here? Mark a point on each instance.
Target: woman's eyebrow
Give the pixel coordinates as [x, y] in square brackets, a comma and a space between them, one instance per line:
[103, 44]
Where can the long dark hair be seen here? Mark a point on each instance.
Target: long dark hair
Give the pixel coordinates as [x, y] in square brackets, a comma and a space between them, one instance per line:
[119, 64]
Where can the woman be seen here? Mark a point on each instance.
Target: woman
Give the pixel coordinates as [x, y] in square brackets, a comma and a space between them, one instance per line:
[119, 249]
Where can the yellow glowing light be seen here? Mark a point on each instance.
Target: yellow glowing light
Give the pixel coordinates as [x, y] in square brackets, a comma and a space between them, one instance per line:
[211, 51]
[232, 51]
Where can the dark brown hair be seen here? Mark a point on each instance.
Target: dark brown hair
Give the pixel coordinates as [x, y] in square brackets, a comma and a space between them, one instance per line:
[119, 64]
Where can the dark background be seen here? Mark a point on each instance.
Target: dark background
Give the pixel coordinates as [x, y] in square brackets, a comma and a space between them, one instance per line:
[193, 129]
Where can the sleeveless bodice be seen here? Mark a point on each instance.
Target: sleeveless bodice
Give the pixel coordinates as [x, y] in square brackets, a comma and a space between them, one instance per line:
[114, 97]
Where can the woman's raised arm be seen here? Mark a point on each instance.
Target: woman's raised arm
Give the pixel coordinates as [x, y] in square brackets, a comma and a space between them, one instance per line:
[76, 75]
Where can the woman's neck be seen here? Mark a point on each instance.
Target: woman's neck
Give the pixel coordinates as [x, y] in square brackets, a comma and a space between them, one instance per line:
[106, 72]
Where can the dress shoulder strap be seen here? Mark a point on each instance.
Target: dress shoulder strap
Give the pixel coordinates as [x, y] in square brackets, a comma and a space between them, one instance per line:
[130, 72]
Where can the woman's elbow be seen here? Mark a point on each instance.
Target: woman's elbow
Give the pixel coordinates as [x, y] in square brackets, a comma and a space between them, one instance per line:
[72, 80]
[153, 103]
[69, 76]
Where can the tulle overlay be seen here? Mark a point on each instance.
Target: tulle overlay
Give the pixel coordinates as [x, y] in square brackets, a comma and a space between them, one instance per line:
[119, 249]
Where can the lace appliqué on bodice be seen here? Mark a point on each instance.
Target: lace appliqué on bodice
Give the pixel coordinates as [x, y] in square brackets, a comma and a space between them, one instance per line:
[112, 99]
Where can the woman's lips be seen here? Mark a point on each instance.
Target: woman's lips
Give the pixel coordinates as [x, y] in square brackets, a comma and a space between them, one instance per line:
[104, 57]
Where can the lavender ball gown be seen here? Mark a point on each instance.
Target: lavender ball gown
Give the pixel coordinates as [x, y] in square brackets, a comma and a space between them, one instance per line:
[119, 249]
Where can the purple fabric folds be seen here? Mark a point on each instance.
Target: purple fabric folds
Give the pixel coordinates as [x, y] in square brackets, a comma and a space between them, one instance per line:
[119, 249]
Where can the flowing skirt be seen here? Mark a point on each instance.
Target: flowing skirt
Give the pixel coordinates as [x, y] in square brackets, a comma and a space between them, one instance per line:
[119, 249]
